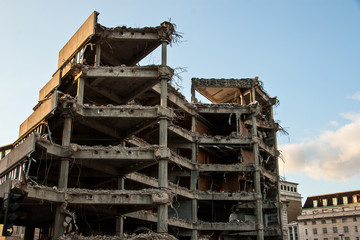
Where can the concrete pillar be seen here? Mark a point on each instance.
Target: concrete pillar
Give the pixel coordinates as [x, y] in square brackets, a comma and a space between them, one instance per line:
[162, 212]
[80, 90]
[259, 212]
[120, 219]
[63, 178]
[194, 173]
[97, 55]
[278, 198]
[64, 167]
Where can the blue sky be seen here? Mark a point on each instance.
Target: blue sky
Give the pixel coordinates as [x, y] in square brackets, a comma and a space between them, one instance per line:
[306, 52]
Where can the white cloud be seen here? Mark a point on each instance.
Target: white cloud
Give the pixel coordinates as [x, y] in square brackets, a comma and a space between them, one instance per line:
[334, 123]
[333, 155]
[356, 96]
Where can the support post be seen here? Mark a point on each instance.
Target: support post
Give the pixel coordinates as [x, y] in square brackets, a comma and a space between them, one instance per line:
[120, 219]
[80, 90]
[278, 198]
[194, 173]
[162, 223]
[63, 178]
[259, 212]
[97, 55]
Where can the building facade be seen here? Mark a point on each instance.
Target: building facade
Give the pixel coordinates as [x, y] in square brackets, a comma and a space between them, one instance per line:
[291, 209]
[112, 147]
[331, 217]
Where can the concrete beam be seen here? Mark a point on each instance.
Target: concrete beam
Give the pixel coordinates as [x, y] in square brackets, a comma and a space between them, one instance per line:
[175, 99]
[271, 176]
[122, 72]
[210, 226]
[151, 217]
[230, 140]
[139, 142]
[262, 124]
[223, 83]
[241, 196]
[181, 132]
[132, 35]
[181, 161]
[266, 205]
[96, 197]
[99, 127]
[223, 108]
[267, 149]
[152, 182]
[116, 152]
[227, 226]
[106, 93]
[224, 167]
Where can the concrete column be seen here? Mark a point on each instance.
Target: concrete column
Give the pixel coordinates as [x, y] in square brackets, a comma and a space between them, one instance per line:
[80, 90]
[97, 55]
[64, 167]
[259, 212]
[162, 212]
[278, 198]
[120, 219]
[63, 178]
[194, 173]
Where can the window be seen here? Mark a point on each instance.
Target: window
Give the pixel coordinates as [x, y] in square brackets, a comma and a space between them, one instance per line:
[335, 230]
[281, 187]
[345, 200]
[346, 229]
[324, 230]
[323, 221]
[294, 189]
[344, 220]
[313, 222]
[324, 202]
[347, 238]
[333, 220]
[334, 201]
[306, 232]
[325, 238]
[315, 203]
[357, 238]
[336, 238]
[305, 223]
[354, 219]
[356, 229]
[314, 230]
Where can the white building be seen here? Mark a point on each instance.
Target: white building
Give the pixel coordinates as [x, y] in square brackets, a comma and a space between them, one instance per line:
[291, 209]
[331, 217]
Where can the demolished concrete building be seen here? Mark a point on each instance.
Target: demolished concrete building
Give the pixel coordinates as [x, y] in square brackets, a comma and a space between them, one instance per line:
[112, 146]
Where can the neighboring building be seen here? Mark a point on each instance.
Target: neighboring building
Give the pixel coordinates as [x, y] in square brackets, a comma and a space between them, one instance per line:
[112, 148]
[333, 216]
[291, 209]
